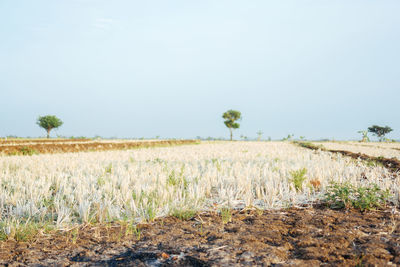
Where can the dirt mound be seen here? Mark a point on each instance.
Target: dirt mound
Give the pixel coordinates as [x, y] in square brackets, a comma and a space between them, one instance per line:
[299, 237]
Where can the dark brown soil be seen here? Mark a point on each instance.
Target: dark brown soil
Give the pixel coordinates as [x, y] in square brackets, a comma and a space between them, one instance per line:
[46, 148]
[299, 237]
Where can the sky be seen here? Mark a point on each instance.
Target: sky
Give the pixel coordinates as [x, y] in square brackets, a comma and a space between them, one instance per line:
[131, 69]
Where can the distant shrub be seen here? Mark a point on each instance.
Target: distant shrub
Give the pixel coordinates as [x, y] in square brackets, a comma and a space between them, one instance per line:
[28, 151]
[309, 145]
[78, 137]
[345, 195]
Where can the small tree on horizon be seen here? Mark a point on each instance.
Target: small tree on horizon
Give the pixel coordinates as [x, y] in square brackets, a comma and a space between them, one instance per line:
[365, 137]
[379, 131]
[48, 123]
[259, 135]
[231, 116]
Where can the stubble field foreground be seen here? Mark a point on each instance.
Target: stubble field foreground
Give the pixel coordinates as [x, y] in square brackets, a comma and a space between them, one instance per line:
[213, 204]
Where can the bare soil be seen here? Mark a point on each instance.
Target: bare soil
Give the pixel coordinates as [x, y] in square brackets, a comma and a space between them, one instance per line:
[56, 147]
[311, 236]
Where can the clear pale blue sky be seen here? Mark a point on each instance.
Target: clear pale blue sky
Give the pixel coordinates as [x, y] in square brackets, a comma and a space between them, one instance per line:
[316, 68]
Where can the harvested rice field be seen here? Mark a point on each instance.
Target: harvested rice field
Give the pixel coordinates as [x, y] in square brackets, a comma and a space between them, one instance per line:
[208, 204]
[51, 146]
[385, 150]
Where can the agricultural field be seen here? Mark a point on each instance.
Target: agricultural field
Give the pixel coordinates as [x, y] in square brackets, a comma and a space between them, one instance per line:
[386, 150]
[46, 146]
[207, 204]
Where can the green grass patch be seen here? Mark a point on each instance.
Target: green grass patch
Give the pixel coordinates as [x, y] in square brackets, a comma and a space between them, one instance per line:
[297, 178]
[183, 214]
[28, 151]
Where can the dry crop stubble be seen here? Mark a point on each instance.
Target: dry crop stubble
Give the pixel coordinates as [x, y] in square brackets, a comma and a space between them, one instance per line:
[29, 146]
[139, 185]
[386, 150]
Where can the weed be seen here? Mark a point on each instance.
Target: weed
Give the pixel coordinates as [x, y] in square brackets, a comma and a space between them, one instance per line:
[28, 151]
[150, 213]
[183, 214]
[178, 180]
[259, 211]
[201, 230]
[108, 168]
[217, 164]
[101, 181]
[298, 178]
[226, 215]
[375, 162]
[158, 160]
[172, 179]
[345, 195]
[3, 235]
[26, 232]
[137, 232]
[75, 234]
[23, 232]
[149, 203]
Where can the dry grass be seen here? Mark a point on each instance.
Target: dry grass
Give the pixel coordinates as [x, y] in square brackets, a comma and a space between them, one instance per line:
[386, 150]
[139, 185]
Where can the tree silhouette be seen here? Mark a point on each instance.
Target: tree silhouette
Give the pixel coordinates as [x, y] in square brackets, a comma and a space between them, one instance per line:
[231, 116]
[48, 123]
[379, 131]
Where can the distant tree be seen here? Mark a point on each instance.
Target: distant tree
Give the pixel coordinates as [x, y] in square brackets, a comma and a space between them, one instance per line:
[259, 135]
[231, 116]
[48, 123]
[288, 138]
[379, 131]
[365, 137]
